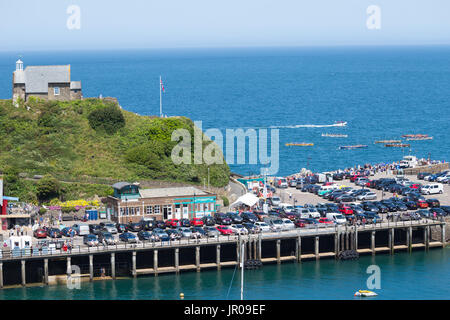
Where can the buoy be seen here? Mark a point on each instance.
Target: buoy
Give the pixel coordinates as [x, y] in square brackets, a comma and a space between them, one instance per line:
[182, 295]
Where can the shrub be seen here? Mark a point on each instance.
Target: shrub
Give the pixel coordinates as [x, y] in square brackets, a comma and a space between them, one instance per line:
[108, 119]
[42, 211]
[47, 188]
[226, 202]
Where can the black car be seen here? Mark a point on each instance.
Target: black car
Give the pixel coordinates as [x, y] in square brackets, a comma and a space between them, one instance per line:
[369, 206]
[148, 225]
[134, 227]
[392, 207]
[332, 207]
[175, 234]
[249, 217]
[357, 209]
[338, 176]
[433, 203]
[106, 238]
[121, 227]
[235, 218]
[222, 219]
[422, 175]
[185, 223]
[251, 227]
[145, 235]
[160, 224]
[208, 221]
[346, 198]
[95, 228]
[199, 232]
[424, 213]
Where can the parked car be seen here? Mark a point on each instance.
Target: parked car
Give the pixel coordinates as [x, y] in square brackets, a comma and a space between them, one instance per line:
[211, 231]
[251, 228]
[185, 223]
[128, 237]
[40, 233]
[121, 227]
[288, 224]
[438, 211]
[160, 234]
[109, 227]
[238, 229]
[197, 222]
[54, 233]
[146, 236]
[90, 240]
[69, 232]
[224, 230]
[208, 221]
[94, 229]
[173, 223]
[235, 217]
[433, 203]
[160, 224]
[222, 219]
[249, 217]
[432, 188]
[198, 232]
[345, 209]
[422, 203]
[106, 238]
[134, 227]
[424, 213]
[367, 196]
[264, 227]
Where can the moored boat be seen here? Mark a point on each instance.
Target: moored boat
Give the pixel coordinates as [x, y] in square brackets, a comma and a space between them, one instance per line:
[419, 138]
[388, 141]
[414, 135]
[299, 144]
[398, 145]
[365, 293]
[354, 147]
[334, 135]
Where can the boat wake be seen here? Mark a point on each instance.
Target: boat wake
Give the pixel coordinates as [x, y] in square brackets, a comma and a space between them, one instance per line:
[340, 124]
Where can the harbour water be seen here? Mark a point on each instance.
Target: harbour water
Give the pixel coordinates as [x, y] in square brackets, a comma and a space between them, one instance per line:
[420, 275]
[381, 92]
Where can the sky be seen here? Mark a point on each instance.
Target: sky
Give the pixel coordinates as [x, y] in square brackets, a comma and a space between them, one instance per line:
[113, 24]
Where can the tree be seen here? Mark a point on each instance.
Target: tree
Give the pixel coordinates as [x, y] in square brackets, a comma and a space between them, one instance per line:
[47, 189]
[108, 119]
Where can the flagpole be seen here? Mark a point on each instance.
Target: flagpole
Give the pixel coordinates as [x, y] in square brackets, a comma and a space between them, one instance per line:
[160, 97]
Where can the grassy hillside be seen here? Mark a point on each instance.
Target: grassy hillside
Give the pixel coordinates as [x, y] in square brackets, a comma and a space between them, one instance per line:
[89, 141]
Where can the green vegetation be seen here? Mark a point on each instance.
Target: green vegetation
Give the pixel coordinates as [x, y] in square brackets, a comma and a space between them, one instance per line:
[86, 145]
[226, 202]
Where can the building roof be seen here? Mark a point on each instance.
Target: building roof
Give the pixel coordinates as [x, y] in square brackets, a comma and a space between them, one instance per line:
[121, 185]
[75, 85]
[37, 78]
[171, 192]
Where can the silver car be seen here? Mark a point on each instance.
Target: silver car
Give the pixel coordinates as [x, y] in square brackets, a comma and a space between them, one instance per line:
[186, 232]
[110, 227]
[211, 232]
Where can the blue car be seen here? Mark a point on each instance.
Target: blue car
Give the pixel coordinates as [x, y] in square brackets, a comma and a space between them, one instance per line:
[161, 235]
[128, 237]
[69, 232]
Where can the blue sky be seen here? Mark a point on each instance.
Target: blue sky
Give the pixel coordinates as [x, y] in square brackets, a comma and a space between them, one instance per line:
[41, 24]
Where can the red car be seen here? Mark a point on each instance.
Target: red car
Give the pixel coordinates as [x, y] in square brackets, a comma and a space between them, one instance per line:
[422, 204]
[300, 223]
[197, 222]
[40, 233]
[356, 176]
[345, 209]
[224, 230]
[173, 223]
[325, 220]
[415, 186]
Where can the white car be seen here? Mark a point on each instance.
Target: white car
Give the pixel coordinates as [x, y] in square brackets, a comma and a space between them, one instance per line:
[336, 218]
[441, 179]
[276, 201]
[432, 188]
[238, 229]
[288, 224]
[264, 227]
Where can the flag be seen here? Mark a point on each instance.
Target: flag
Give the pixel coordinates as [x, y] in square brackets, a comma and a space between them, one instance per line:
[162, 86]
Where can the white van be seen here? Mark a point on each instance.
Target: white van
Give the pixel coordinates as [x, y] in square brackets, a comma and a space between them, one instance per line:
[336, 217]
[432, 188]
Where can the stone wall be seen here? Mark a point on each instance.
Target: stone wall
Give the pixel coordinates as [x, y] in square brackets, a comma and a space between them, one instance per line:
[64, 91]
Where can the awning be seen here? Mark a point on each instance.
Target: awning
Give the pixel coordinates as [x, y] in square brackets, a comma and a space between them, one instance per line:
[248, 199]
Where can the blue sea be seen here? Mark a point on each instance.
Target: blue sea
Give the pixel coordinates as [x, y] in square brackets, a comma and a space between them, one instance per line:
[382, 92]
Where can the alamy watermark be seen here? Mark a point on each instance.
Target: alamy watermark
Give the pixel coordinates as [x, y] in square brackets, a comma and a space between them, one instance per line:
[374, 280]
[373, 21]
[74, 277]
[213, 153]
[74, 20]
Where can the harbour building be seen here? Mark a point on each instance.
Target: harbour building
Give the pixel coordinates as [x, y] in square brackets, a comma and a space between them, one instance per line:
[131, 203]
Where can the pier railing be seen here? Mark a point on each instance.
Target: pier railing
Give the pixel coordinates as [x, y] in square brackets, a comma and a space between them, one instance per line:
[316, 230]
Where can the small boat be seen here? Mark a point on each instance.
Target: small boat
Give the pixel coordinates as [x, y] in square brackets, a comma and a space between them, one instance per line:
[365, 293]
[414, 136]
[388, 141]
[398, 145]
[354, 147]
[334, 135]
[299, 144]
[340, 123]
[419, 138]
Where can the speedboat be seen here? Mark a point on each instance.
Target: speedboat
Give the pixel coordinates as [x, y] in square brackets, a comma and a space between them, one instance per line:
[365, 293]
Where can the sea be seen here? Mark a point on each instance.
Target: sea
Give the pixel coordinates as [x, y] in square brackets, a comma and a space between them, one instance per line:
[297, 93]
